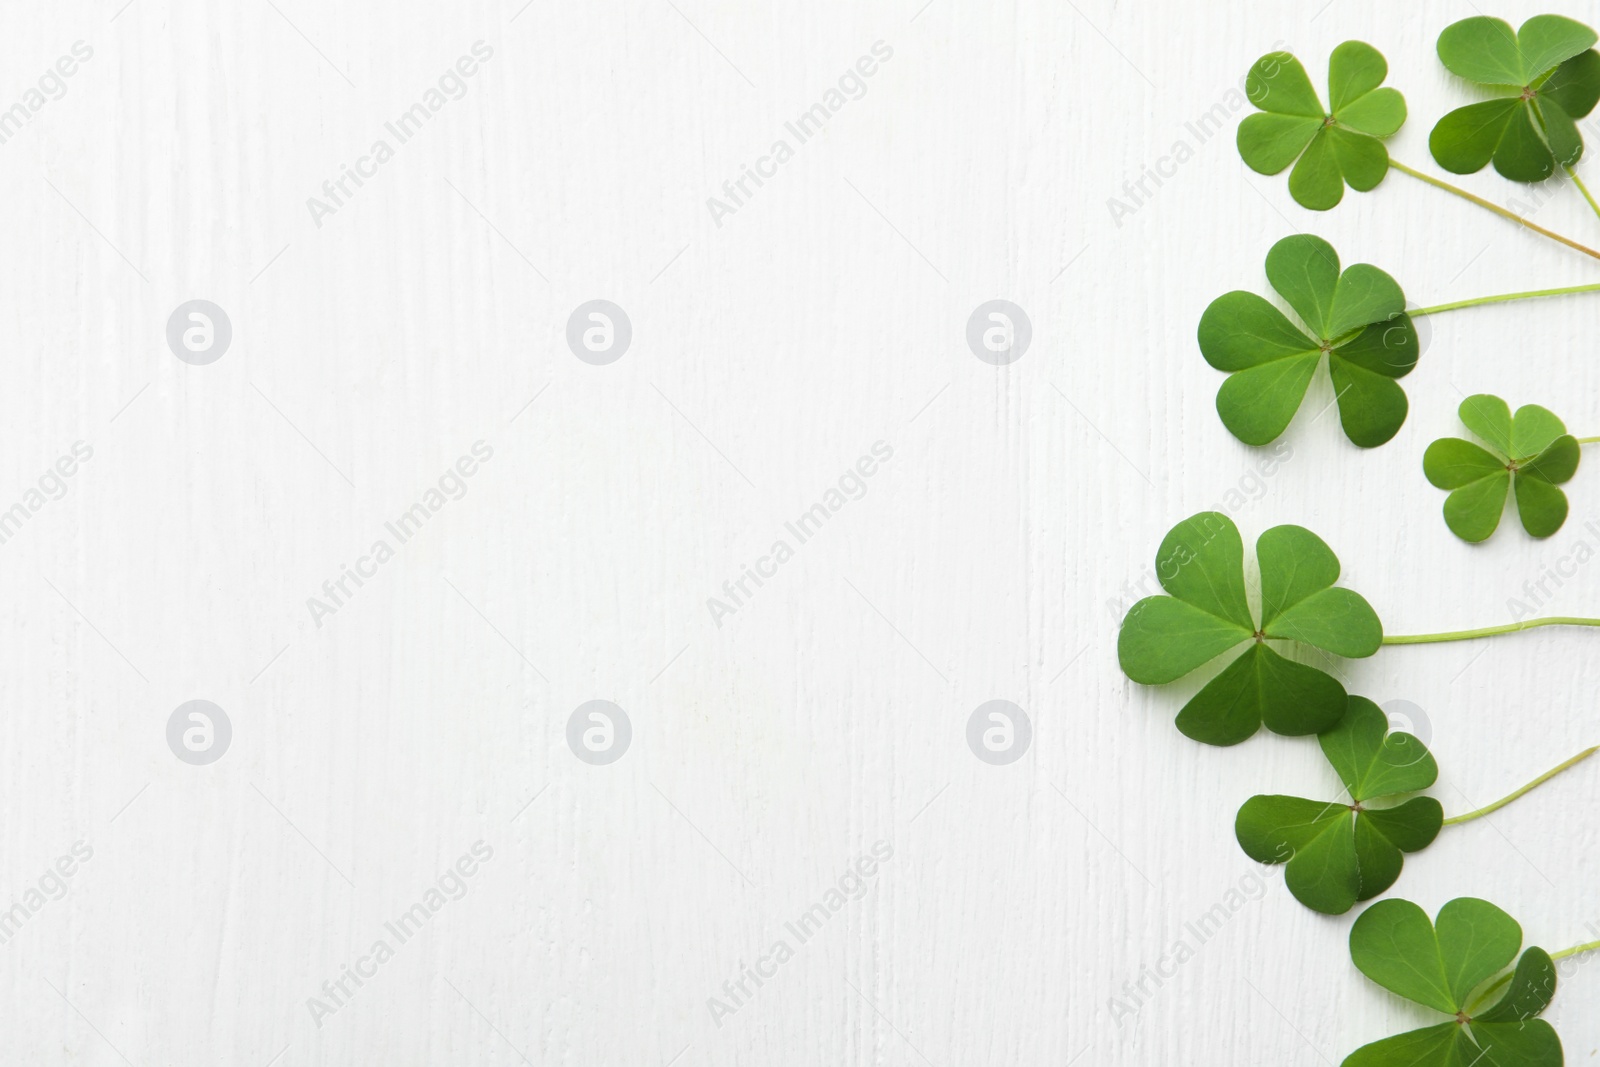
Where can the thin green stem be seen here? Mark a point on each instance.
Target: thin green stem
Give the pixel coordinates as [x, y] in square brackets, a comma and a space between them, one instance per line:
[1535, 784]
[1575, 950]
[1488, 631]
[1500, 983]
[1503, 298]
[1588, 440]
[1493, 988]
[1490, 205]
[1584, 189]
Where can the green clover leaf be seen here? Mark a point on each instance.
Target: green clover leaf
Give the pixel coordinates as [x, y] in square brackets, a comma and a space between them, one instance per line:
[1554, 74]
[1201, 563]
[1356, 318]
[1530, 453]
[1340, 852]
[1438, 965]
[1334, 147]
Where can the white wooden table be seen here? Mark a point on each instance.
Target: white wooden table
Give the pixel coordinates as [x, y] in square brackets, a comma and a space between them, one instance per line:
[402, 740]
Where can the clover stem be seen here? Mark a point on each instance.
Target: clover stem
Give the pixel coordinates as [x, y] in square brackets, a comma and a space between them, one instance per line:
[1536, 783]
[1584, 189]
[1500, 983]
[1502, 298]
[1487, 631]
[1484, 997]
[1575, 950]
[1588, 440]
[1492, 206]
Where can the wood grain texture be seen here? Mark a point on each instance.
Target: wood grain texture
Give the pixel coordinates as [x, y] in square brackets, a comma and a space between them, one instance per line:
[373, 747]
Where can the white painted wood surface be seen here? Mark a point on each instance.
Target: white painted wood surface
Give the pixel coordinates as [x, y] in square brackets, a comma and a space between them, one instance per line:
[769, 352]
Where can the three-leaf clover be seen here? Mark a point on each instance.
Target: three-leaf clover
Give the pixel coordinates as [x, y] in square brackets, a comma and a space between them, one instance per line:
[1356, 318]
[1439, 964]
[1343, 851]
[1201, 563]
[1530, 453]
[1554, 75]
[1333, 146]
